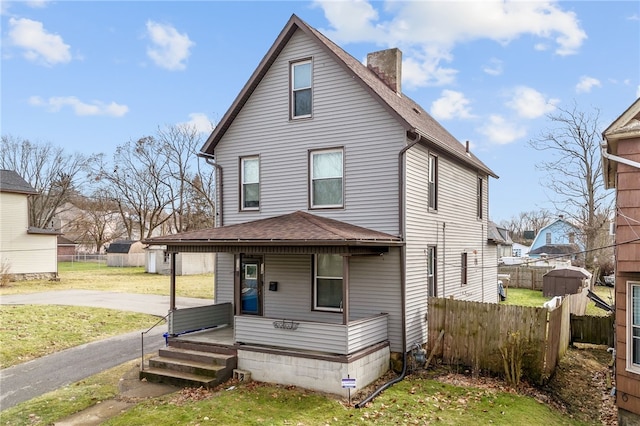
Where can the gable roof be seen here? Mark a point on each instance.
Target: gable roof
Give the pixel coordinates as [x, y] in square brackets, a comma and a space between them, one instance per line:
[624, 127]
[407, 112]
[297, 228]
[557, 249]
[10, 181]
[497, 234]
[120, 246]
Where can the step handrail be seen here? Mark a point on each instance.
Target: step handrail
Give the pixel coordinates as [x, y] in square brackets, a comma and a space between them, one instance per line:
[164, 318]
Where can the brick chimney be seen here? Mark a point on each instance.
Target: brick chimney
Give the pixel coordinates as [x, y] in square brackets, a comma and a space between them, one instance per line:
[387, 64]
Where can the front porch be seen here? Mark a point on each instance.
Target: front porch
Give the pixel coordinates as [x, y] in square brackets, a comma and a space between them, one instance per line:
[308, 354]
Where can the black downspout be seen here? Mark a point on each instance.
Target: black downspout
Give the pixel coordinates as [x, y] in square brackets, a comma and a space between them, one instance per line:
[403, 275]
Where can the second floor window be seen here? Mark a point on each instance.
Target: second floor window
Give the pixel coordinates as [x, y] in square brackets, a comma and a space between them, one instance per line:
[480, 198]
[326, 186]
[433, 182]
[464, 268]
[301, 91]
[250, 183]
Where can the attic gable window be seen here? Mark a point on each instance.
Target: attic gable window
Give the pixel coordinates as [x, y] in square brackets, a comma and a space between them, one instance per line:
[301, 89]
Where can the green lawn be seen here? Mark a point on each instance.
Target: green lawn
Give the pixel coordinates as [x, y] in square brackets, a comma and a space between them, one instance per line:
[95, 276]
[526, 297]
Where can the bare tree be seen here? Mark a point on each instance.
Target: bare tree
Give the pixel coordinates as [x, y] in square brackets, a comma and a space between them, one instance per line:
[192, 182]
[96, 221]
[52, 172]
[138, 182]
[573, 172]
[527, 221]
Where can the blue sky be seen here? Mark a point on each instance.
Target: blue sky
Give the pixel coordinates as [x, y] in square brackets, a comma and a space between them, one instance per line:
[89, 76]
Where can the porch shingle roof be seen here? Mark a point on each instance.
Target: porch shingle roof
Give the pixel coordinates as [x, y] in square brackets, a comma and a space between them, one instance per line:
[294, 228]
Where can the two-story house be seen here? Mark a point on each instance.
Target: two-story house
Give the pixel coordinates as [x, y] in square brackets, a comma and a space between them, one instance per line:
[26, 252]
[621, 171]
[559, 240]
[342, 206]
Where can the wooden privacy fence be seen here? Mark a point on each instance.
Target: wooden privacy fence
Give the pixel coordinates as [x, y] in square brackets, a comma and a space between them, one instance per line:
[592, 329]
[474, 333]
[524, 276]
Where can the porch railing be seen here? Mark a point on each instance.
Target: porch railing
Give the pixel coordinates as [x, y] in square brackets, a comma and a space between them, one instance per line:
[312, 336]
[199, 318]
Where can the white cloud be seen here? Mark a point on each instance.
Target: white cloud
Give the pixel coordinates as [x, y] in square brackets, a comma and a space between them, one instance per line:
[587, 83]
[37, 4]
[529, 103]
[451, 104]
[200, 122]
[427, 31]
[494, 67]
[39, 45]
[169, 48]
[499, 131]
[55, 104]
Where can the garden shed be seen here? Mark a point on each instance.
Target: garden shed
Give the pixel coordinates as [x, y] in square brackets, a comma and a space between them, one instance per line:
[565, 280]
[125, 253]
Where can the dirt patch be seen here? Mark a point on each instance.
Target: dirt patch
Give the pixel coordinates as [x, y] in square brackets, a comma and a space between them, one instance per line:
[583, 381]
[580, 387]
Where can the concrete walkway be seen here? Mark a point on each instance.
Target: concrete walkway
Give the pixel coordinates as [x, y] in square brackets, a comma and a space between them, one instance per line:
[25, 381]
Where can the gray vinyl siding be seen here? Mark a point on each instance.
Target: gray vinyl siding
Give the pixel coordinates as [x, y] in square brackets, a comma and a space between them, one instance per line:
[224, 278]
[374, 288]
[344, 115]
[454, 228]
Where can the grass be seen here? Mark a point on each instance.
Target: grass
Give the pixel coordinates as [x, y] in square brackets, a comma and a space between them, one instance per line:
[32, 331]
[54, 406]
[415, 400]
[527, 297]
[95, 276]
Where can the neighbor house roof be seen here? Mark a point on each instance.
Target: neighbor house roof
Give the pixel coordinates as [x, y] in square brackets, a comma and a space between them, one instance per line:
[62, 241]
[297, 228]
[555, 249]
[10, 181]
[411, 115]
[497, 235]
[627, 125]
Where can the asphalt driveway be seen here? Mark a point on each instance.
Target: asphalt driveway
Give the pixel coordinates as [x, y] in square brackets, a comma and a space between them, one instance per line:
[25, 381]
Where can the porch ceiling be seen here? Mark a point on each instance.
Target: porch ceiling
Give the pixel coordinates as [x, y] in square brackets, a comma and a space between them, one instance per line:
[297, 232]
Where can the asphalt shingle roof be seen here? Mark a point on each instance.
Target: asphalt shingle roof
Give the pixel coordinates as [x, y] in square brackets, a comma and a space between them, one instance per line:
[409, 113]
[298, 226]
[10, 181]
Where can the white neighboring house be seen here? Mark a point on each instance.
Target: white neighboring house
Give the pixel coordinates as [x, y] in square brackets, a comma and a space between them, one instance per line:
[26, 252]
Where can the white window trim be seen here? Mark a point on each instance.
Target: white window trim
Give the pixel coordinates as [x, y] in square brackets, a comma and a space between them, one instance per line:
[631, 367]
[312, 204]
[292, 106]
[315, 287]
[432, 182]
[242, 183]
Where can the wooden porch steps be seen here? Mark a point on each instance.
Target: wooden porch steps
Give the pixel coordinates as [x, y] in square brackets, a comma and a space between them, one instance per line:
[195, 366]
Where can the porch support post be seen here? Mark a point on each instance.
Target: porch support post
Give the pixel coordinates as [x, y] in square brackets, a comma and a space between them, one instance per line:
[345, 290]
[172, 291]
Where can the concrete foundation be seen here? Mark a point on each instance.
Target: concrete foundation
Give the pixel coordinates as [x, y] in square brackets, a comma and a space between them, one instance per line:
[320, 374]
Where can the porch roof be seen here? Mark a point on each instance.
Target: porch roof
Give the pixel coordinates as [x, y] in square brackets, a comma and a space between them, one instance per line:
[299, 229]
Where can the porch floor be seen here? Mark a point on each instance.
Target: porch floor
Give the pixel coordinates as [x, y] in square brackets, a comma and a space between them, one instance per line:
[216, 336]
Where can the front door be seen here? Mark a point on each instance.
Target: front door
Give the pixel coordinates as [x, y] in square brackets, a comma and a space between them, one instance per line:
[251, 285]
